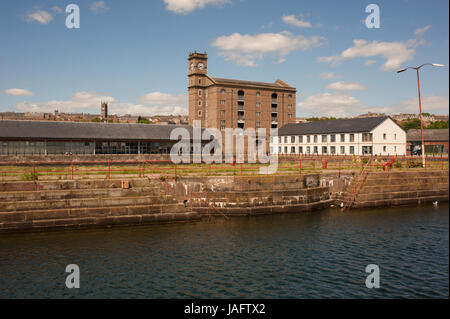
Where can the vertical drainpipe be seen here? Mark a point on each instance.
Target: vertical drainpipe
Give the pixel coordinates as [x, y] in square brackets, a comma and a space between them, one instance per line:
[139, 148]
[45, 148]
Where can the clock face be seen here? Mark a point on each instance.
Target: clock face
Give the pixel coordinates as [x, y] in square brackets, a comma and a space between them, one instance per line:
[200, 66]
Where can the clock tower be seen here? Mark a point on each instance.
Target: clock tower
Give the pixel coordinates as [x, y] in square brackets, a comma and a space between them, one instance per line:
[197, 64]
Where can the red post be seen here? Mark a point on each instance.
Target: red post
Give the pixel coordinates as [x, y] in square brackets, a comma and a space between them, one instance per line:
[340, 159]
[300, 167]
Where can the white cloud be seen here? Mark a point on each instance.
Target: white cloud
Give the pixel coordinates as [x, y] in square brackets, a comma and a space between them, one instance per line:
[330, 104]
[327, 75]
[292, 20]
[430, 104]
[421, 31]
[395, 53]
[57, 9]
[40, 16]
[18, 92]
[98, 6]
[245, 49]
[338, 104]
[370, 62]
[89, 102]
[187, 6]
[346, 86]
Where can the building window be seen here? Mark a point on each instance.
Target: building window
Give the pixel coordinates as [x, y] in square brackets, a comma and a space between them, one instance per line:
[384, 136]
[286, 139]
[316, 150]
[367, 150]
[290, 96]
[289, 106]
[199, 92]
[280, 139]
[222, 91]
[367, 137]
[384, 148]
[395, 149]
[292, 139]
[342, 149]
[279, 149]
[324, 149]
[222, 112]
[308, 149]
[258, 104]
[222, 102]
[258, 124]
[324, 139]
[206, 94]
[292, 149]
[258, 94]
[342, 137]
[315, 138]
[258, 114]
[333, 138]
[290, 115]
[300, 139]
[199, 103]
[199, 81]
[308, 139]
[285, 150]
[333, 150]
[199, 113]
[352, 139]
[300, 150]
[395, 136]
[352, 150]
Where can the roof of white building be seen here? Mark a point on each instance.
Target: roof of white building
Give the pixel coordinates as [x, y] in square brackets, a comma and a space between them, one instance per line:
[355, 125]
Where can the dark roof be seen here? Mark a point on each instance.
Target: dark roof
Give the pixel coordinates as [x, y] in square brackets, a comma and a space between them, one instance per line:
[276, 85]
[355, 125]
[85, 130]
[428, 135]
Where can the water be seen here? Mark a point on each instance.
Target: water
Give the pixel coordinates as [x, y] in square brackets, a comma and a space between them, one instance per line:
[306, 255]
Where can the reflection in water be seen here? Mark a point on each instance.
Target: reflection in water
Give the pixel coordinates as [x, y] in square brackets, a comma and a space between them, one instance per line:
[305, 255]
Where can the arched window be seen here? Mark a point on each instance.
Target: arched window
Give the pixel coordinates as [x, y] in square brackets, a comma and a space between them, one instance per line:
[240, 95]
[222, 91]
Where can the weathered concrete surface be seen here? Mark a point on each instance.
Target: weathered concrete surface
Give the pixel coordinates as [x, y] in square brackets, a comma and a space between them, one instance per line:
[74, 204]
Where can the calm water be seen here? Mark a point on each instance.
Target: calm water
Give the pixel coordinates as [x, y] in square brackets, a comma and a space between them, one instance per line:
[307, 255]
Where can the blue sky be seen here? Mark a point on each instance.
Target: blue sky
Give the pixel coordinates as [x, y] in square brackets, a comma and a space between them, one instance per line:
[133, 53]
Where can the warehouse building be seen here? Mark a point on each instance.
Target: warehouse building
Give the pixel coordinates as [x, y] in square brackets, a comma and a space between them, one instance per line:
[357, 136]
[53, 137]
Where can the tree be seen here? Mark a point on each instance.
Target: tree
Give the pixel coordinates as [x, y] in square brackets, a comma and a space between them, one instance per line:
[96, 120]
[438, 125]
[143, 120]
[411, 124]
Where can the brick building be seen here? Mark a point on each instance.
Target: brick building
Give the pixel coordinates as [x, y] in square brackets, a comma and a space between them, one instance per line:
[225, 103]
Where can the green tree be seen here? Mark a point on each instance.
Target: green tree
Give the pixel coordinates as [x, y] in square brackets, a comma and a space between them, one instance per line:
[143, 120]
[438, 125]
[97, 120]
[411, 124]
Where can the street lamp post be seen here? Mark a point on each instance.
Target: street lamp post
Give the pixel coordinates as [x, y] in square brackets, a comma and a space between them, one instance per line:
[420, 104]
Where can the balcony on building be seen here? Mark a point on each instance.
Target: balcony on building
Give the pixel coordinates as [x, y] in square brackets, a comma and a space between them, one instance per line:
[241, 106]
[274, 99]
[240, 97]
[274, 109]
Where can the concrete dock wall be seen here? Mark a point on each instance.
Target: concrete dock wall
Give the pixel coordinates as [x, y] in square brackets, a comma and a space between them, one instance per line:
[75, 204]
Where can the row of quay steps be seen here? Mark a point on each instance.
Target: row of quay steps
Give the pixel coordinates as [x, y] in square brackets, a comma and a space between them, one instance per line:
[48, 205]
[403, 188]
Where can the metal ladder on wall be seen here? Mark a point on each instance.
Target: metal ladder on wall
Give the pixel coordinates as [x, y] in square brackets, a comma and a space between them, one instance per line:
[358, 185]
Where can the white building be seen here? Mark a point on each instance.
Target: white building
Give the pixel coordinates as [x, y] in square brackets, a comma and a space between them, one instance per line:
[358, 136]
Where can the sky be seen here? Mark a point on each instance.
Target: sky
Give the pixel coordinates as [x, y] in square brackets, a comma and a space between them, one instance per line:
[133, 54]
